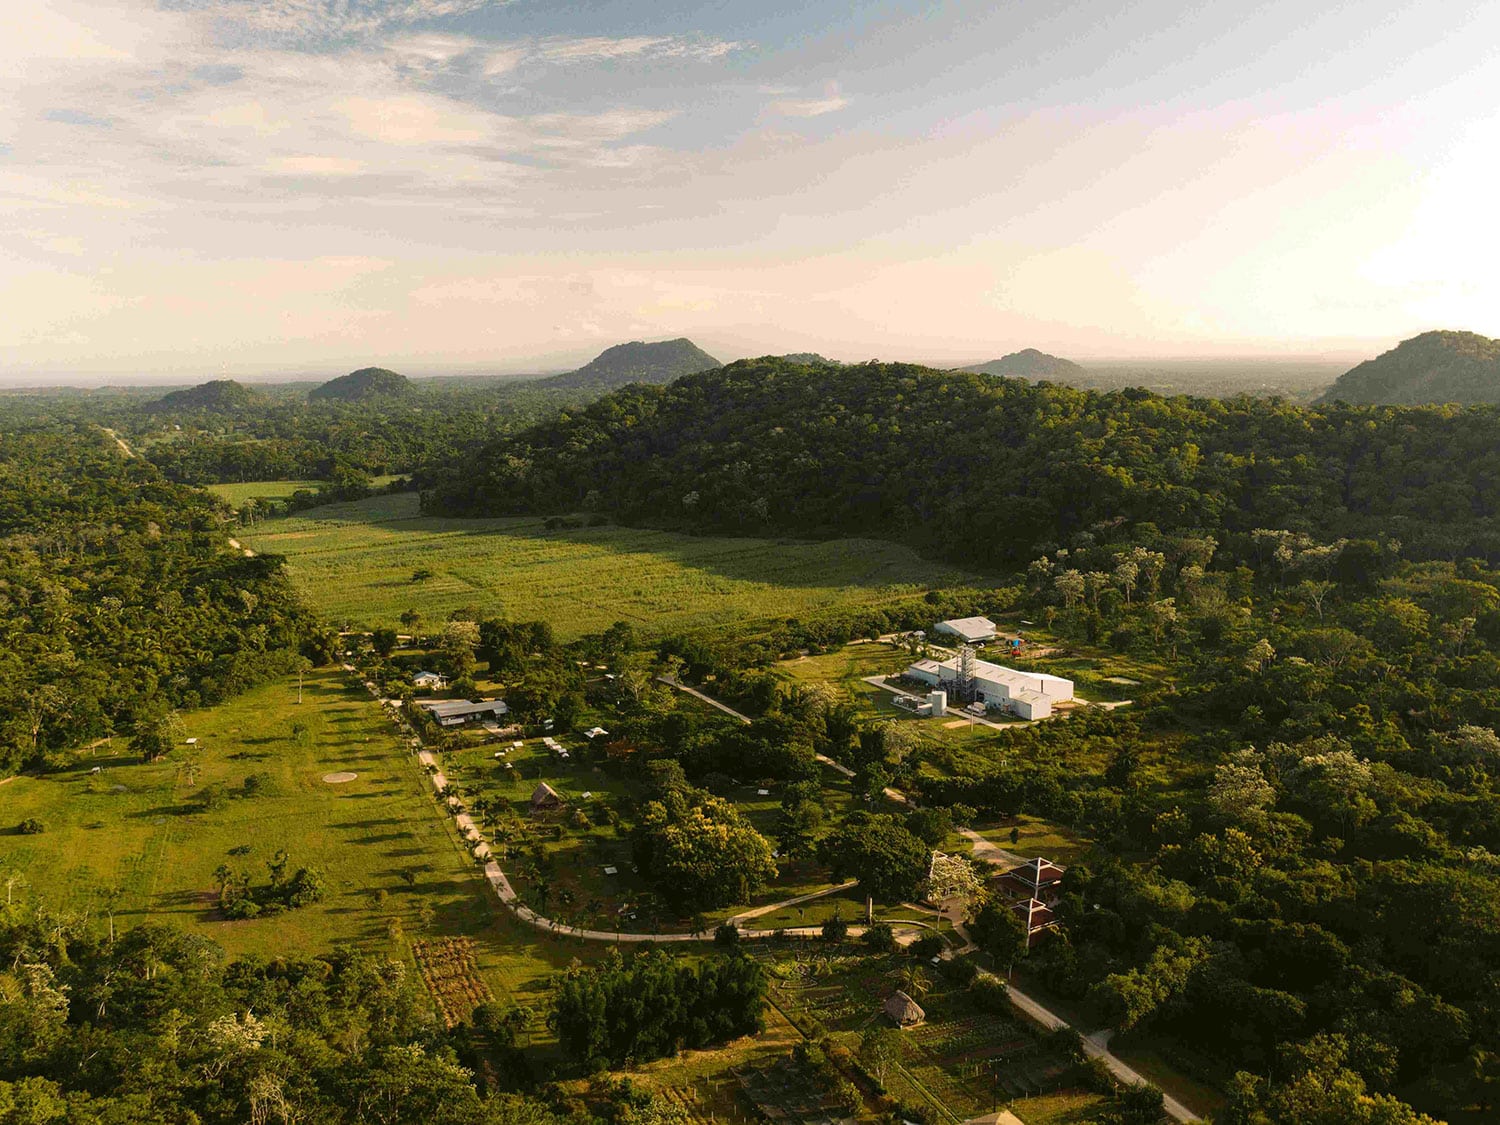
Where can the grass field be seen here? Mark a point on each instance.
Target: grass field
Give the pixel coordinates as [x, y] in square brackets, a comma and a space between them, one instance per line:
[356, 562]
[383, 847]
[239, 492]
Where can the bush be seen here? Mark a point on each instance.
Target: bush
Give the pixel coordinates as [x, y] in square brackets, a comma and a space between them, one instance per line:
[959, 970]
[31, 826]
[988, 992]
[1141, 1104]
[727, 934]
[242, 908]
[1095, 1075]
[880, 938]
[835, 929]
[927, 946]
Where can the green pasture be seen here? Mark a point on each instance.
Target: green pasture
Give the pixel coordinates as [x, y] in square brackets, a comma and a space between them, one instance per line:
[356, 562]
[136, 835]
[238, 492]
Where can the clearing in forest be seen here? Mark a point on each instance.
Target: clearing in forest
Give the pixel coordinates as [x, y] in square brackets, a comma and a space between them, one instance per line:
[145, 840]
[364, 563]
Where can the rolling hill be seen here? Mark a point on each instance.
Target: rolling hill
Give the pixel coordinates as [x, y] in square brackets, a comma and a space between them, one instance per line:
[362, 385]
[1029, 364]
[1435, 367]
[637, 362]
[223, 395]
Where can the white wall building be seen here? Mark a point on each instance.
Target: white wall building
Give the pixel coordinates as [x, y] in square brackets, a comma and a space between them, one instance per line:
[1028, 695]
[970, 630]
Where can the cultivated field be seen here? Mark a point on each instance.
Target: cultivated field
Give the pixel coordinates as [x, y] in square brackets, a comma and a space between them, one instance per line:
[240, 491]
[356, 563]
[138, 836]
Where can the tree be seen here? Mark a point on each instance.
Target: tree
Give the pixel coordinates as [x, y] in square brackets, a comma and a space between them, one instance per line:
[384, 641]
[879, 1050]
[460, 639]
[878, 850]
[700, 852]
[998, 930]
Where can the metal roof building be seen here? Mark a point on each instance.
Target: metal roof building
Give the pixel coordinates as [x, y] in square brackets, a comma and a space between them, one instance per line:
[454, 712]
[970, 630]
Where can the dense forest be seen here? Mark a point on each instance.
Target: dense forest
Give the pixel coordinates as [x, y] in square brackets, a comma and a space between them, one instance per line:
[221, 432]
[120, 600]
[992, 472]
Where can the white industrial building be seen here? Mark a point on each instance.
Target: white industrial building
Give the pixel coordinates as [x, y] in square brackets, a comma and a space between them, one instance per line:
[970, 630]
[1028, 695]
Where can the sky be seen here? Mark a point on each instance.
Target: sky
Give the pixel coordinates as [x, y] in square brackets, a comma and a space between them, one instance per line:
[262, 187]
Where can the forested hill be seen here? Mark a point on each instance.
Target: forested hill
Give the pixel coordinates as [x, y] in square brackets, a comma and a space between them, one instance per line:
[1029, 364]
[991, 471]
[362, 385]
[638, 363]
[219, 395]
[1461, 367]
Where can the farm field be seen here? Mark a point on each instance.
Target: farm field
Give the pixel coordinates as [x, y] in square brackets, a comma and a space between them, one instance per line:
[355, 562]
[958, 1063]
[387, 855]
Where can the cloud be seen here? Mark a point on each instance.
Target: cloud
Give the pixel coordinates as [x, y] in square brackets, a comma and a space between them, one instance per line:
[809, 107]
[309, 22]
[598, 49]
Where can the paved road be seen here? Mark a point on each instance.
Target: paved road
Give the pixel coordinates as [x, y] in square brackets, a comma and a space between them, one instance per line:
[1097, 1046]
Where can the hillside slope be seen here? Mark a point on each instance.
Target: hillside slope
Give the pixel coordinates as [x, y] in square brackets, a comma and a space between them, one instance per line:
[637, 362]
[361, 385]
[1462, 367]
[1029, 364]
[990, 472]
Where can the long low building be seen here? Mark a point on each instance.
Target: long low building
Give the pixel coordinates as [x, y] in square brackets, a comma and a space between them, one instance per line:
[456, 712]
[1028, 695]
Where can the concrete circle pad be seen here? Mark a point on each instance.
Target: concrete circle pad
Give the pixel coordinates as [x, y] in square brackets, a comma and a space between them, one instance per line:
[339, 778]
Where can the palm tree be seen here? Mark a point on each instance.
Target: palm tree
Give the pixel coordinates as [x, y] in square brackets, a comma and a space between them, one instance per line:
[913, 980]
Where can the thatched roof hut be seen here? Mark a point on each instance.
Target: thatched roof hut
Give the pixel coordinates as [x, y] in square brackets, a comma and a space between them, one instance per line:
[545, 797]
[903, 1010]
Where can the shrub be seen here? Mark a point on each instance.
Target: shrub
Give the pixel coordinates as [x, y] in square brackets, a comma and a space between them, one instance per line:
[988, 992]
[727, 934]
[959, 970]
[835, 929]
[880, 938]
[31, 826]
[927, 946]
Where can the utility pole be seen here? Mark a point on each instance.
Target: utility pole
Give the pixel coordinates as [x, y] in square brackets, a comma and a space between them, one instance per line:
[299, 685]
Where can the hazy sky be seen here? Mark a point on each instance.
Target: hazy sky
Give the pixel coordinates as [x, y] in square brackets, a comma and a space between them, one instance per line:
[261, 186]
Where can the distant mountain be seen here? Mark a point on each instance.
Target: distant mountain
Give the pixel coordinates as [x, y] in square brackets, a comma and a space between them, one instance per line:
[1029, 364]
[1433, 367]
[361, 385]
[223, 395]
[638, 363]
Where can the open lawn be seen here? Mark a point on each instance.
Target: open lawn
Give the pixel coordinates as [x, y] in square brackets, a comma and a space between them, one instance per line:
[356, 563]
[142, 832]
